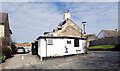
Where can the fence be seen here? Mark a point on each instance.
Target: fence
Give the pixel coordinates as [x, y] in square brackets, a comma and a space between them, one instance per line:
[105, 41]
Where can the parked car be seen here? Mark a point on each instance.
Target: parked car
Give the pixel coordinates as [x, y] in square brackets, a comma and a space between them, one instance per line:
[20, 50]
[27, 50]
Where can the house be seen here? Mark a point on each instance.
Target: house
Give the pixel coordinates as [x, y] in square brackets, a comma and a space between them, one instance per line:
[91, 37]
[66, 28]
[60, 46]
[106, 37]
[66, 39]
[25, 45]
[5, 28]
[107, 33]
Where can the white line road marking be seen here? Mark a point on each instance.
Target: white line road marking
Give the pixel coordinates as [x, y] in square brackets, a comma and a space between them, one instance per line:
[26, 64]
[22, 57]
[6, 67]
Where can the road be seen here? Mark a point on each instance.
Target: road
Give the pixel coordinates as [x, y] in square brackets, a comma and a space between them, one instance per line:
[92, 60]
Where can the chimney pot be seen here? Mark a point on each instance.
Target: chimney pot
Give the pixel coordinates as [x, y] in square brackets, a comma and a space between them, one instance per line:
[68, 11]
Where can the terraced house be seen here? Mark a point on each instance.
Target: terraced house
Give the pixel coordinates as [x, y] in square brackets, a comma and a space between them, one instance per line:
[5, 31]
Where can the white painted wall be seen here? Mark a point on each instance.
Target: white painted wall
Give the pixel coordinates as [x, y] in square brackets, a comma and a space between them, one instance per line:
[58, 47]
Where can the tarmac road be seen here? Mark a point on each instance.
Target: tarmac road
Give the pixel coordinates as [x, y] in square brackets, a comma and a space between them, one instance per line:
[92, 60]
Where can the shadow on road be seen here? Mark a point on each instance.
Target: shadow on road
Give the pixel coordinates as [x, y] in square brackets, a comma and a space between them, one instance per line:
[65, 56]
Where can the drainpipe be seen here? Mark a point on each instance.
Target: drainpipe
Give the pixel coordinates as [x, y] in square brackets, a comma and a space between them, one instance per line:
[81, 32]
[46, 49]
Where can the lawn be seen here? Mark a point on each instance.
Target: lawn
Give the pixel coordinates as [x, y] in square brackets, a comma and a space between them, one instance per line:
[101, 47]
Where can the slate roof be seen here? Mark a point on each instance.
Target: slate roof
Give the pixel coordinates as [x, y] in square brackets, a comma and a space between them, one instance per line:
[3, 17]
[110, 32]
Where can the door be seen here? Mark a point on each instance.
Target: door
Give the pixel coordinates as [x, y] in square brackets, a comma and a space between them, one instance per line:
[35, 48]
[76, 42]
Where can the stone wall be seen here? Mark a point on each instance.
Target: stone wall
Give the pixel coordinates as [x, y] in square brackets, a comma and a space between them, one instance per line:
[1, 30]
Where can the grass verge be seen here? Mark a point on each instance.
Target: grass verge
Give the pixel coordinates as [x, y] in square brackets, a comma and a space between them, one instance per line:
[101, 47]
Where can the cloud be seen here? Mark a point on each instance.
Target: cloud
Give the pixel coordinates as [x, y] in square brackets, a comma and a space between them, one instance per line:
[28, 20]
[60, 0]
[98, 15]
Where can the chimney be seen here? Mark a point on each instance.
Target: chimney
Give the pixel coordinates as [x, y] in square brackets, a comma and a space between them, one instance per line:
[67, 15]
[68, 11]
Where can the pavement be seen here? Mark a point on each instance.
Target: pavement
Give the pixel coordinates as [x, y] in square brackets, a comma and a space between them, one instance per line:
[92, 60]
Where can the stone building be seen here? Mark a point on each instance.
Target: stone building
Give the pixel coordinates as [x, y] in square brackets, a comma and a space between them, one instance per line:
[66, 28]
[4, 27]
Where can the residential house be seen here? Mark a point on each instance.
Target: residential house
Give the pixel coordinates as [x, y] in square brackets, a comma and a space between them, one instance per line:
[4, 27]
[106, 37]
[91, 37]
[66, 28]
[65, 39]
[25, 45]
[107, 33]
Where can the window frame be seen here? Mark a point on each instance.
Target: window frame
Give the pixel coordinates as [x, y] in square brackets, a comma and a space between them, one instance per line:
[68, 42]
[50, 42]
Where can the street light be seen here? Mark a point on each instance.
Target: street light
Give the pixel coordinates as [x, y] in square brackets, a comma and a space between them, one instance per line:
[84, 26]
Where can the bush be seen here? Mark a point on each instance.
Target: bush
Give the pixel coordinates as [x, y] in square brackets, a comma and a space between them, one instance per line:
[117, 47]
[2, 58]
[7, 51]
[13, 46]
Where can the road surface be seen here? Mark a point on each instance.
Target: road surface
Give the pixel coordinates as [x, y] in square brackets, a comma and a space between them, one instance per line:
[92, 60]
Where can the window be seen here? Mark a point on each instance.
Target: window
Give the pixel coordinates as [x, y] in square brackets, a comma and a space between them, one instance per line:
[76, 42]
[68, 42]
[50, 42]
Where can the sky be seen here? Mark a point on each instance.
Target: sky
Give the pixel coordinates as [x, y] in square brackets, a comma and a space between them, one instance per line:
[29, 20]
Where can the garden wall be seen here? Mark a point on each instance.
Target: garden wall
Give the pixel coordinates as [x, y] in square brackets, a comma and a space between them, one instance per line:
[105, 41]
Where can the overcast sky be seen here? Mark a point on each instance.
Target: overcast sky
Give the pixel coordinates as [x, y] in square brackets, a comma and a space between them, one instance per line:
[29, 20]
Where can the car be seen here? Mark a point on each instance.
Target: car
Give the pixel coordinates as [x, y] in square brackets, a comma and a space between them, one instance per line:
[27, 50]
[20, 50]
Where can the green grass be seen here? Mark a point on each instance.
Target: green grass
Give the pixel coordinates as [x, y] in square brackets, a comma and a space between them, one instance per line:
[101, 46]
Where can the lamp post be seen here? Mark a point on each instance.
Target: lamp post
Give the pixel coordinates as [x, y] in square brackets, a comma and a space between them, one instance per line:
[84, 23]
[84, 26]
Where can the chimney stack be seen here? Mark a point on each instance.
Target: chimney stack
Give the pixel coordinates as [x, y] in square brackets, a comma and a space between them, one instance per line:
[67, 15]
